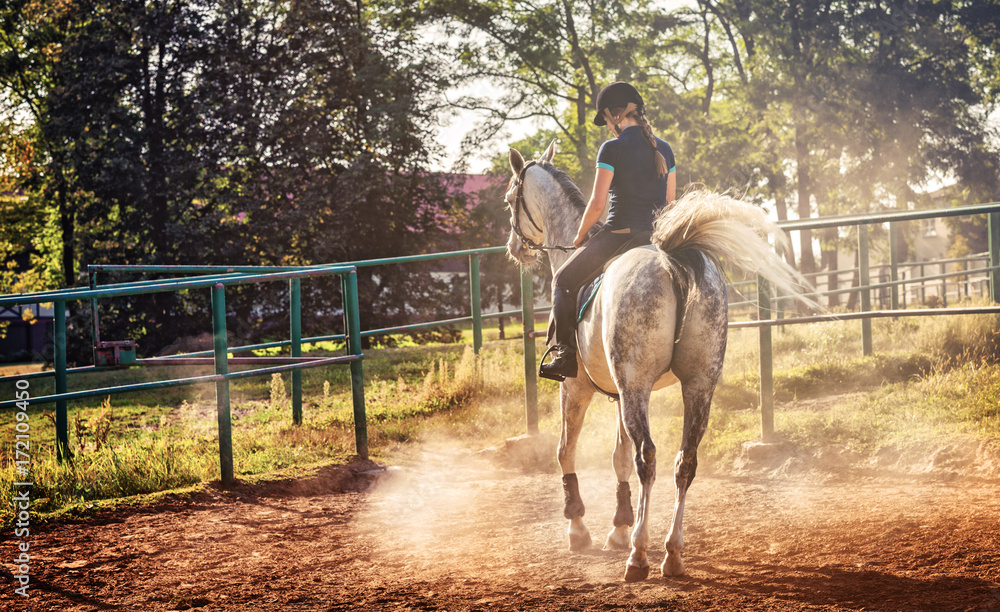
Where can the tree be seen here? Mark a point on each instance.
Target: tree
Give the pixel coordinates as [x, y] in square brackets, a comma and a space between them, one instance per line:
[549, 60]
[867, 100]
[324, 123]
[260, 132]
[30, 35]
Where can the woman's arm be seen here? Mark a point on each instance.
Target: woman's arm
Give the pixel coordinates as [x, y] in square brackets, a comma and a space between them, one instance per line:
[671, 187]
[595, 207]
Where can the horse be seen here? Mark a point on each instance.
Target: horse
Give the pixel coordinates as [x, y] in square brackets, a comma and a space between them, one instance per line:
[660, 317]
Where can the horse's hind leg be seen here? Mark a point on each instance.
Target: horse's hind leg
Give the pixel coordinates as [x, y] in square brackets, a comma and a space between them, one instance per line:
[635, 413]
[697, 400]
[574, 398]
[622, 461]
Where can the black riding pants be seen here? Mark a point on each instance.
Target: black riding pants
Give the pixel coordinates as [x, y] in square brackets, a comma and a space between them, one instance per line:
[582, 267]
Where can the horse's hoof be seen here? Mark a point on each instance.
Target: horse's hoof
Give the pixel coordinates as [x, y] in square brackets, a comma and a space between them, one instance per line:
[672, 565]
[617, 539]
[636, 574]
[579, 541]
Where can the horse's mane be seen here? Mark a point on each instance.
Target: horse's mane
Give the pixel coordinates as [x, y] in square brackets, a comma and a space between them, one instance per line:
[571, 191]
[566, 184]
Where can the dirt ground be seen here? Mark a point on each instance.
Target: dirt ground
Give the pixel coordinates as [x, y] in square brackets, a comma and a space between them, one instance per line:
[449, 531]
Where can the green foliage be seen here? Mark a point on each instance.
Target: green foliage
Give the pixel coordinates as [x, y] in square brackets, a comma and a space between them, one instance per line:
[548, 59]
[446, 334]
[278, 398]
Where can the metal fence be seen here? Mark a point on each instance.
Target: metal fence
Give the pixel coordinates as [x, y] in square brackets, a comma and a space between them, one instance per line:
[765, 299]
[218, 277]
[769, 313]
[220, 358]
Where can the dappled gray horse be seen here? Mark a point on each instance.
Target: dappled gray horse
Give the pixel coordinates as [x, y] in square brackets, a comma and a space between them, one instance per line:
[660, 317]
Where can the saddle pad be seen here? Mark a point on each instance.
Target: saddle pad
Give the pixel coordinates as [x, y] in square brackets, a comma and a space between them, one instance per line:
[589, 291]
[587, 294]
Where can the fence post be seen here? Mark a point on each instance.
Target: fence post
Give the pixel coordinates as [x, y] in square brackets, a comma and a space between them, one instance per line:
[96, 324]
[863, 283]
[923, 286]
[993, 227]
[893, 266]
[222, 386]
[779, 304]
[352, 326]
[766, 363]
[528, 325]
[902, 287]
[965, 268]
[944, 285]
[295, 323]
[63, 453]
[477, 310]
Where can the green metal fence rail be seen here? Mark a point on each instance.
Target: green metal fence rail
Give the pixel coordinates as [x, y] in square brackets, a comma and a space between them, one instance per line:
[222, 376]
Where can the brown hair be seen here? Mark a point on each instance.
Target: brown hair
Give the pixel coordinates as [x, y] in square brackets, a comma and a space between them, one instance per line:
[614, 116]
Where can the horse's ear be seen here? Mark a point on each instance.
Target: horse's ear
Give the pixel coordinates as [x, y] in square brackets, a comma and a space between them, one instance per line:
[550, 152]
[516, 161]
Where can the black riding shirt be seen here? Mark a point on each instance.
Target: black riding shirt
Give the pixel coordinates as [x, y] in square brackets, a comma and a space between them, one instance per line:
[636, 191]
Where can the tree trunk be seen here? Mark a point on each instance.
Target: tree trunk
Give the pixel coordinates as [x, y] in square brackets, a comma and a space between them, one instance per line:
[782, 210]
[829, 258]
[156, 191]
[582, 154]
[67, 225]
[808, 262]
[706, 60]
[853, 297]
[778, 183]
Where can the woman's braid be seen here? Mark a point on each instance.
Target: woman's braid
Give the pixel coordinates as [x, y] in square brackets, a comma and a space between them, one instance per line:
[661, 163]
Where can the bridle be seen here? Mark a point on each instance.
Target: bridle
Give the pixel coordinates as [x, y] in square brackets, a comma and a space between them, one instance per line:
[515, 221]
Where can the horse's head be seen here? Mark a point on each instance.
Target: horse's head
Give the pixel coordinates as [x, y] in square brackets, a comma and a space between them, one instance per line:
[526, 224]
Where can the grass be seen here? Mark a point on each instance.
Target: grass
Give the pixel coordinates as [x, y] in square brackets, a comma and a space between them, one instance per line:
[930, 380]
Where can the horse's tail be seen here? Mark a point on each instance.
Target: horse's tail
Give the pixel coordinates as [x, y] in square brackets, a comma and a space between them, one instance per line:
[730, 230]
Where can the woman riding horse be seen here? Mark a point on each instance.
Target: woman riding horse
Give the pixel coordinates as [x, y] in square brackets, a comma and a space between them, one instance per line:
[637, 169]
[660, 317]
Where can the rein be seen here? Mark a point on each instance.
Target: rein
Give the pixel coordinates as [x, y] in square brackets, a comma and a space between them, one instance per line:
[515, 221]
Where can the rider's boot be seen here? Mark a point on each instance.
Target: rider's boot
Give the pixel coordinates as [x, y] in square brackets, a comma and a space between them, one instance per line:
[563, 366]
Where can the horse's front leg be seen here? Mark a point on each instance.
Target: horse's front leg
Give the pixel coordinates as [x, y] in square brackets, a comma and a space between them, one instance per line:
[697, 400]
[575, 395]
[622, 460]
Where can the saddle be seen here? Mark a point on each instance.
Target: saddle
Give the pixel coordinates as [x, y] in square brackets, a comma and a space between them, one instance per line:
[588, 293]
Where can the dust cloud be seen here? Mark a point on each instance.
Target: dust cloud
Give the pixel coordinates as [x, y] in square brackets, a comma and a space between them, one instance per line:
[448, 511]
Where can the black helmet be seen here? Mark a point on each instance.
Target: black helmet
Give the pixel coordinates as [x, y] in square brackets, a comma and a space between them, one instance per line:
[616, 95]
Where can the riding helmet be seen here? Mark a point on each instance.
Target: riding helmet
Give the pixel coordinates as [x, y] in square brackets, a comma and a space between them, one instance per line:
[615, 95]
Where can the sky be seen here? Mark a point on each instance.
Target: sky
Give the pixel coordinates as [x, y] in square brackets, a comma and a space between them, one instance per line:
[454, 129]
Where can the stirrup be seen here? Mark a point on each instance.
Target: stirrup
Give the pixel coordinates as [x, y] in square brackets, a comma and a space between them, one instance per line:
[556, 376]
